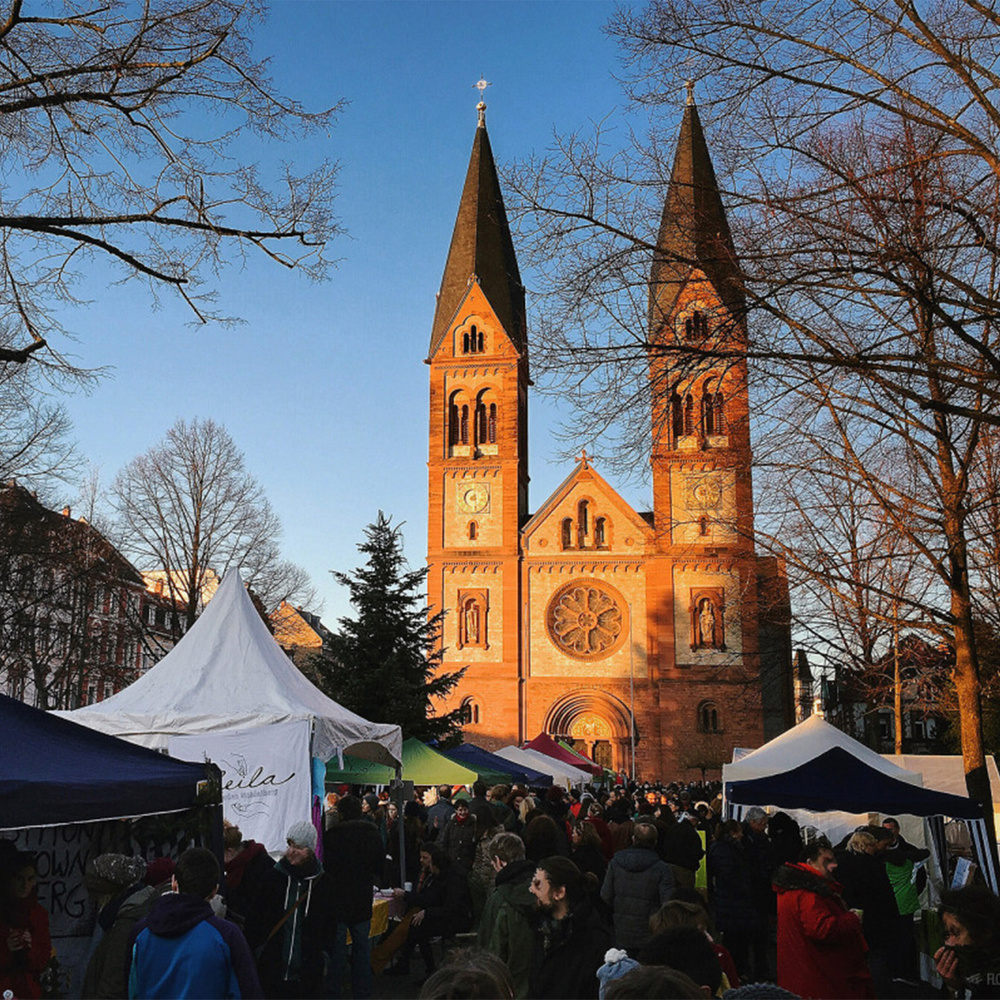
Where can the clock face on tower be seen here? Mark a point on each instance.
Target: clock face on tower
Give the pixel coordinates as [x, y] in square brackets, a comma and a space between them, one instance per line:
[474, 499]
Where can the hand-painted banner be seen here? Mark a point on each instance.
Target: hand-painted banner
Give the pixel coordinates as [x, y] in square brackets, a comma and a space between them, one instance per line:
[265, 776]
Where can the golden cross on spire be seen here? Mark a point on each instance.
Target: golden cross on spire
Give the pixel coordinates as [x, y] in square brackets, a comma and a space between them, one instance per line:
[689, 84]
[583, 457]
[481, 84]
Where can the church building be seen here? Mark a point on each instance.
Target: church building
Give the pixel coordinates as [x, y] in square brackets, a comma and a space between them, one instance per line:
[660, 634]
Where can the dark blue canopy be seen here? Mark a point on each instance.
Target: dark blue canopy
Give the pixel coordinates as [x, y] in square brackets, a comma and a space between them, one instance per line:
[476, 757]
[53, 771]
[837, 780]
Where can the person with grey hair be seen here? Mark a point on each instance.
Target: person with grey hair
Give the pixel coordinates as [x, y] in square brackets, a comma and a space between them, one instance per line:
[505, 928]
[638, 882]
[758, 851]
[116, 883]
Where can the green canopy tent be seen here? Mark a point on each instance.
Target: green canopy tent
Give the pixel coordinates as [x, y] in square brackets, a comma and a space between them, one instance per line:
[421, 765]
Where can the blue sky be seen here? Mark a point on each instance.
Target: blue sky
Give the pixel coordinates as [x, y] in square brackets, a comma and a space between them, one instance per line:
[323, 386]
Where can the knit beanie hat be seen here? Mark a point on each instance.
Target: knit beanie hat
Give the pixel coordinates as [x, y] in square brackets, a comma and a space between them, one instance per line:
[302, 834]
[109, 874]
[372, 799]
[616, 964]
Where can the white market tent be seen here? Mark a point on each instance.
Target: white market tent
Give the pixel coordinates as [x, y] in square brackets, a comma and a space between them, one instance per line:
[562, 774]
[228, 673]
[806, 741]
[815, 767]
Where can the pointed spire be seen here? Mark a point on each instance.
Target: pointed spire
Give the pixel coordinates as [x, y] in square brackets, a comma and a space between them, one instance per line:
[694, 231]
[482, 248]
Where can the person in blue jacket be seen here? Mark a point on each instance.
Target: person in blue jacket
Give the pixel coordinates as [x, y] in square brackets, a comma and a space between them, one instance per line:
[182, 949]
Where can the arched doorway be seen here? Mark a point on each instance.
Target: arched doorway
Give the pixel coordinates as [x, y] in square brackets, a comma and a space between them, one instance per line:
[595, 723]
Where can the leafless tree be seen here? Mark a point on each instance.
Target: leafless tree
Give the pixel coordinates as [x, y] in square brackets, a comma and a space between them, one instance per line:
[188, 507]
[860, 160]
[119, 121]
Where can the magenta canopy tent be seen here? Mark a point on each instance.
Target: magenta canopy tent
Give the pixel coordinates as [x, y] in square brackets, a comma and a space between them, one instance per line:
[543, 743]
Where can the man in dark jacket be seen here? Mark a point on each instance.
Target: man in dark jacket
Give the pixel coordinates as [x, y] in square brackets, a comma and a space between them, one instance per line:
[352, 851]
[294, 919]
[759, 854]
[506, 927]
[570, 936]
[731, 894]
[439, 813]
[182, 949]
[637, 884]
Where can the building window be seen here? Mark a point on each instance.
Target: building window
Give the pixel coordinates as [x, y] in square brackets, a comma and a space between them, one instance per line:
[712, 412]
[886, 730]
[689, 415]
[567, 533]
[473, 341]
[600, 533]
[491, 424]
[677, 416]
[582, 522]
[696, 326]
[708, 718]
[470, 712]
[703, 526]
[473, 531]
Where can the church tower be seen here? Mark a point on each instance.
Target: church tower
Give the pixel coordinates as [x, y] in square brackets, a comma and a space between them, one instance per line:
[478, 461]
[715, 648]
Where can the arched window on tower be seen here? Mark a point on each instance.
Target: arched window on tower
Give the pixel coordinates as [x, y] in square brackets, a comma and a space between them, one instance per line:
[676, 417]
[491, 424]
[703, 526]
[713, 414]
[689, 414]
[453, 426]
[696, 326]
[567, 533]
[470, 712]
[463, 424]
[582, 522]
[708, 718]
[473, 531]
[473, 341]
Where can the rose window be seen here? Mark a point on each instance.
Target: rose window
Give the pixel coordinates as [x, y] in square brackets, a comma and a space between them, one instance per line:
[585, 620]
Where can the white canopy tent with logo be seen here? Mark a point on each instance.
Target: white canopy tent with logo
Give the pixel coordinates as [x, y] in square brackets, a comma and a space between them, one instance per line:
[227, 690]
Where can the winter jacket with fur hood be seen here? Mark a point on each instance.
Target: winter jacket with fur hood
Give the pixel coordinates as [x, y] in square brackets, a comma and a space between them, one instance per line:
[821, 947]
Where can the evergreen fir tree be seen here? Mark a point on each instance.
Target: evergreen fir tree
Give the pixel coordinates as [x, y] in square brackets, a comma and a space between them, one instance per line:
[383, 662]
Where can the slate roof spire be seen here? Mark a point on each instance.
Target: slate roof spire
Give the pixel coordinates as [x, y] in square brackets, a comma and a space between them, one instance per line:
[694, 231]
[482, 248]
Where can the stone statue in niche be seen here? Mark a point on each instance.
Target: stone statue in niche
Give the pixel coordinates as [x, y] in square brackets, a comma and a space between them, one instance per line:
[472, 623]
[706, 623]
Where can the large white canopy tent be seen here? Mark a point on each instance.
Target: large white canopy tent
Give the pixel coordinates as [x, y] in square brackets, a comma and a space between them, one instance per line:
[815, 768]
[228, 673]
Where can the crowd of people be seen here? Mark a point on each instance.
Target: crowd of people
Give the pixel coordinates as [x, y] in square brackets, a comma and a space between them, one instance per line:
[602, 893]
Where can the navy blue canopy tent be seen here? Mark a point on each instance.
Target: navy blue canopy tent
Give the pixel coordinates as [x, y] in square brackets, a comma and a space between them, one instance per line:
[837, 780]
[476, 757]
[55, 772]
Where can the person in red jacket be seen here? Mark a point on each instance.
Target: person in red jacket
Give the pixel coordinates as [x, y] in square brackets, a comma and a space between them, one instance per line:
[821, 946]
[25, 944]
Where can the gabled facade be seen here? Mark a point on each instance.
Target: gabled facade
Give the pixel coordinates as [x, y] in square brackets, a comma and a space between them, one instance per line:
[588, 616]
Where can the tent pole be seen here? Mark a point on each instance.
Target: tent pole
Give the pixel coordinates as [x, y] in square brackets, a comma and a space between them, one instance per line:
[401, 826]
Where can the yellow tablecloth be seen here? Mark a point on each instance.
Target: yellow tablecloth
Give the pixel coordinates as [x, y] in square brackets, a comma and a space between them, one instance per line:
[380, 917]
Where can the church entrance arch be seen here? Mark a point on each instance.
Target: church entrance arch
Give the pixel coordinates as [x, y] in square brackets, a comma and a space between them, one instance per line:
[594, 723]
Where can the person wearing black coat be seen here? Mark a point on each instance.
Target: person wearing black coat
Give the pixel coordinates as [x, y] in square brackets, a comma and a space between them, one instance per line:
[442, 905]
[293, 919]
[571, 937]
[352, 851]
[730, 893]
[866, 887]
